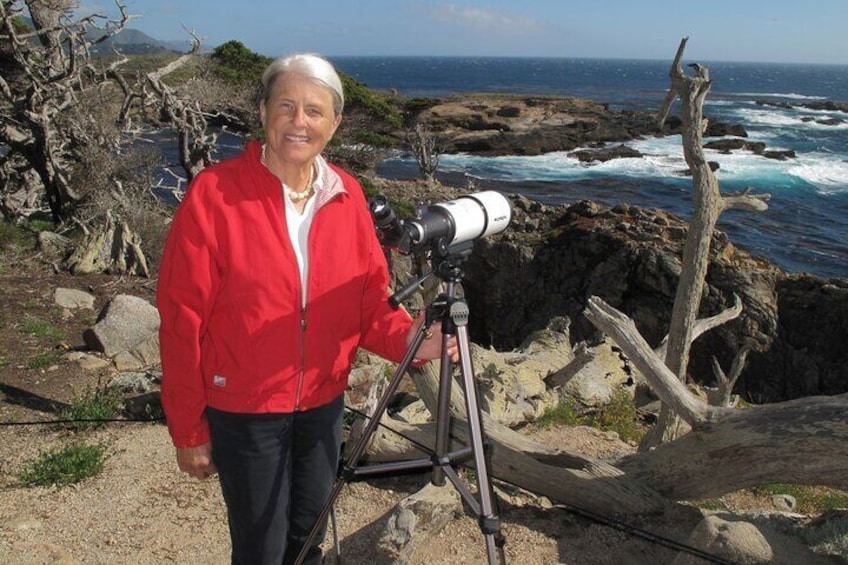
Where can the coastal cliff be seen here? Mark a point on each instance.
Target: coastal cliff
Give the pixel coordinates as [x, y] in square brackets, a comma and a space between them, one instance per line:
[552, 258]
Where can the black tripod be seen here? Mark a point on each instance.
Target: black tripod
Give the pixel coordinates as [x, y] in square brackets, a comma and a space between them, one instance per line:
[453, 312]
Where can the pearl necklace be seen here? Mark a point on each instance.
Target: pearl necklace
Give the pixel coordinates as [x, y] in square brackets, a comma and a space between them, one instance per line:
[307, 189]
[292, 193]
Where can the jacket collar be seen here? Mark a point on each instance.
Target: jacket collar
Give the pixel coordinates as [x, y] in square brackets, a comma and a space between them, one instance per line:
[328, 183]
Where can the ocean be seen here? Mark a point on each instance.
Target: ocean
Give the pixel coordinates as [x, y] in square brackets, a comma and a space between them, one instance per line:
[805, 228]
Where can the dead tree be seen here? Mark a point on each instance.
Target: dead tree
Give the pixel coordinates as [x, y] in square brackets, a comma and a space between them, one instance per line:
[195, 142]
[709, 204]
[50, 71]
[423, 145]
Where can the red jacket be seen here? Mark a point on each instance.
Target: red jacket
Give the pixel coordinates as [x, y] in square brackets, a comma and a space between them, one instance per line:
[233, 335]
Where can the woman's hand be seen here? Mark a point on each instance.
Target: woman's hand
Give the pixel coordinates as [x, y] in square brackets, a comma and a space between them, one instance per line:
[431, 347]
[196, 461]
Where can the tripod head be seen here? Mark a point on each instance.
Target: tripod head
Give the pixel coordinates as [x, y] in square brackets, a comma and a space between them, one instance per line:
[446, 262]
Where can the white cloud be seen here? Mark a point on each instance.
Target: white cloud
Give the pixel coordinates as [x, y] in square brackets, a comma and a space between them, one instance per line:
[484, 19]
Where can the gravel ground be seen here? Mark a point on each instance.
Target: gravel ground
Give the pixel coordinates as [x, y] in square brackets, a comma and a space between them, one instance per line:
[141, 510]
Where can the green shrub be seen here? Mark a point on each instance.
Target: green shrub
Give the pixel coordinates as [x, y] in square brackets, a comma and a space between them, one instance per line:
[43, 360]
[563, 414]
[829, 538]
[237, 64]
[11, 236]
[65, 466]
[619, 416]
[99, 403]
[366, 137]
[357, 95]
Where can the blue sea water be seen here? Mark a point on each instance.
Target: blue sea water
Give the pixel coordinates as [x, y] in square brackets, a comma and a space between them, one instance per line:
[806, 225]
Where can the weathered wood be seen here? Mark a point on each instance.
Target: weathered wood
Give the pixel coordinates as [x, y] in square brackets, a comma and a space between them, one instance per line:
[709, 204]
[596, 485]
[672, 93]
[800, 441]
[110, 248]
[663, 382]
[48, 80]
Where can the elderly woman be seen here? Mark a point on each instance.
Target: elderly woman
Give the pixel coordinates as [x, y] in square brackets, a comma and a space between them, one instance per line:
[272, 277]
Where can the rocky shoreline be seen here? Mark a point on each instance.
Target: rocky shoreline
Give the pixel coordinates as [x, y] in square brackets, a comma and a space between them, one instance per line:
[552, 258]
[503, 124]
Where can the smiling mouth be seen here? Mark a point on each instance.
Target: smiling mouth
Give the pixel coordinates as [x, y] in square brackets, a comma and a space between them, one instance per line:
[297, 138]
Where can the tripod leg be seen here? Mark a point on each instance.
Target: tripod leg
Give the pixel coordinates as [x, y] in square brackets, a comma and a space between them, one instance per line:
[362, 442]
[442, 441]
[489, 521]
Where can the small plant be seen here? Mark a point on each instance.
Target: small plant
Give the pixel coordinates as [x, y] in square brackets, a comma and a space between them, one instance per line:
[41, 328]
[810, 499]
[65, 466]
[619, 416]
[11, 236]
[562, 414]
[93, 405]
[43, 360]
[830, 538]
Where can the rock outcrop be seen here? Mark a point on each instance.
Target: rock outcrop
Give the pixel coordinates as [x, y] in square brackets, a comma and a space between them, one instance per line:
[501, 124]
[552, 259]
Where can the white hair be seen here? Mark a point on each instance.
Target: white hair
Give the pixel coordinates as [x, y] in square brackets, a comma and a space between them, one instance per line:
[309, 65]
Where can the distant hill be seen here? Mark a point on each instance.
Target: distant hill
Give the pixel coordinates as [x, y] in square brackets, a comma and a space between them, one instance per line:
[134, 42]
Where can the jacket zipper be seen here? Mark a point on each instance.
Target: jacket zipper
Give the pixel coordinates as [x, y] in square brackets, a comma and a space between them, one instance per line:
[302, 341]
[302, 368]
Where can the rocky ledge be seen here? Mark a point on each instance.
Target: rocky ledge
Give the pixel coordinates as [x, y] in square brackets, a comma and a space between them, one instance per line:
[552, 258]
[501, 124]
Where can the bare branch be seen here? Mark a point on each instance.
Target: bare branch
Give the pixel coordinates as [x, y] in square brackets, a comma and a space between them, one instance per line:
[672, 93]
[727, 382]
[706, 324]
[663, 381]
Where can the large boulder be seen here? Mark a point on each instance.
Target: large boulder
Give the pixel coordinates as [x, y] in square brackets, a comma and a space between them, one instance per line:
[126, 330]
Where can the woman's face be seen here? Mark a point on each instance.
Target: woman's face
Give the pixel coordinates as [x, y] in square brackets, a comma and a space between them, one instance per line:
[298, 119]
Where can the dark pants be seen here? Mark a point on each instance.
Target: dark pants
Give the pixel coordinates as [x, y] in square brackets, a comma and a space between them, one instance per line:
[276, 473]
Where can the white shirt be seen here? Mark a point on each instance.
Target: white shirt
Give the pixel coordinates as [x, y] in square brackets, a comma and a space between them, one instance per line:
[298, 226]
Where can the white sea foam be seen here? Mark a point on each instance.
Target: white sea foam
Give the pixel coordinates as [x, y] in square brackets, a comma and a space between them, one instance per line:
[828, 175]
[787, 95]
[788, 119]
[663, 158]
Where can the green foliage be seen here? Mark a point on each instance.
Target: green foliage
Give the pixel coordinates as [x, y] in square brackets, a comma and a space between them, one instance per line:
[237, 64]
[38, 225]
[359, 96]
[65, 466]
[619, 416]
[563, 414]
[41, 328]
[99, 403]
[11, 235]
[830, 538]
[371, 138]
[811, 500]
[43, 360]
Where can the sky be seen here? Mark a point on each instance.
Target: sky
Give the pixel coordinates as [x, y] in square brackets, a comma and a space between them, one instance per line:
[788, 31]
